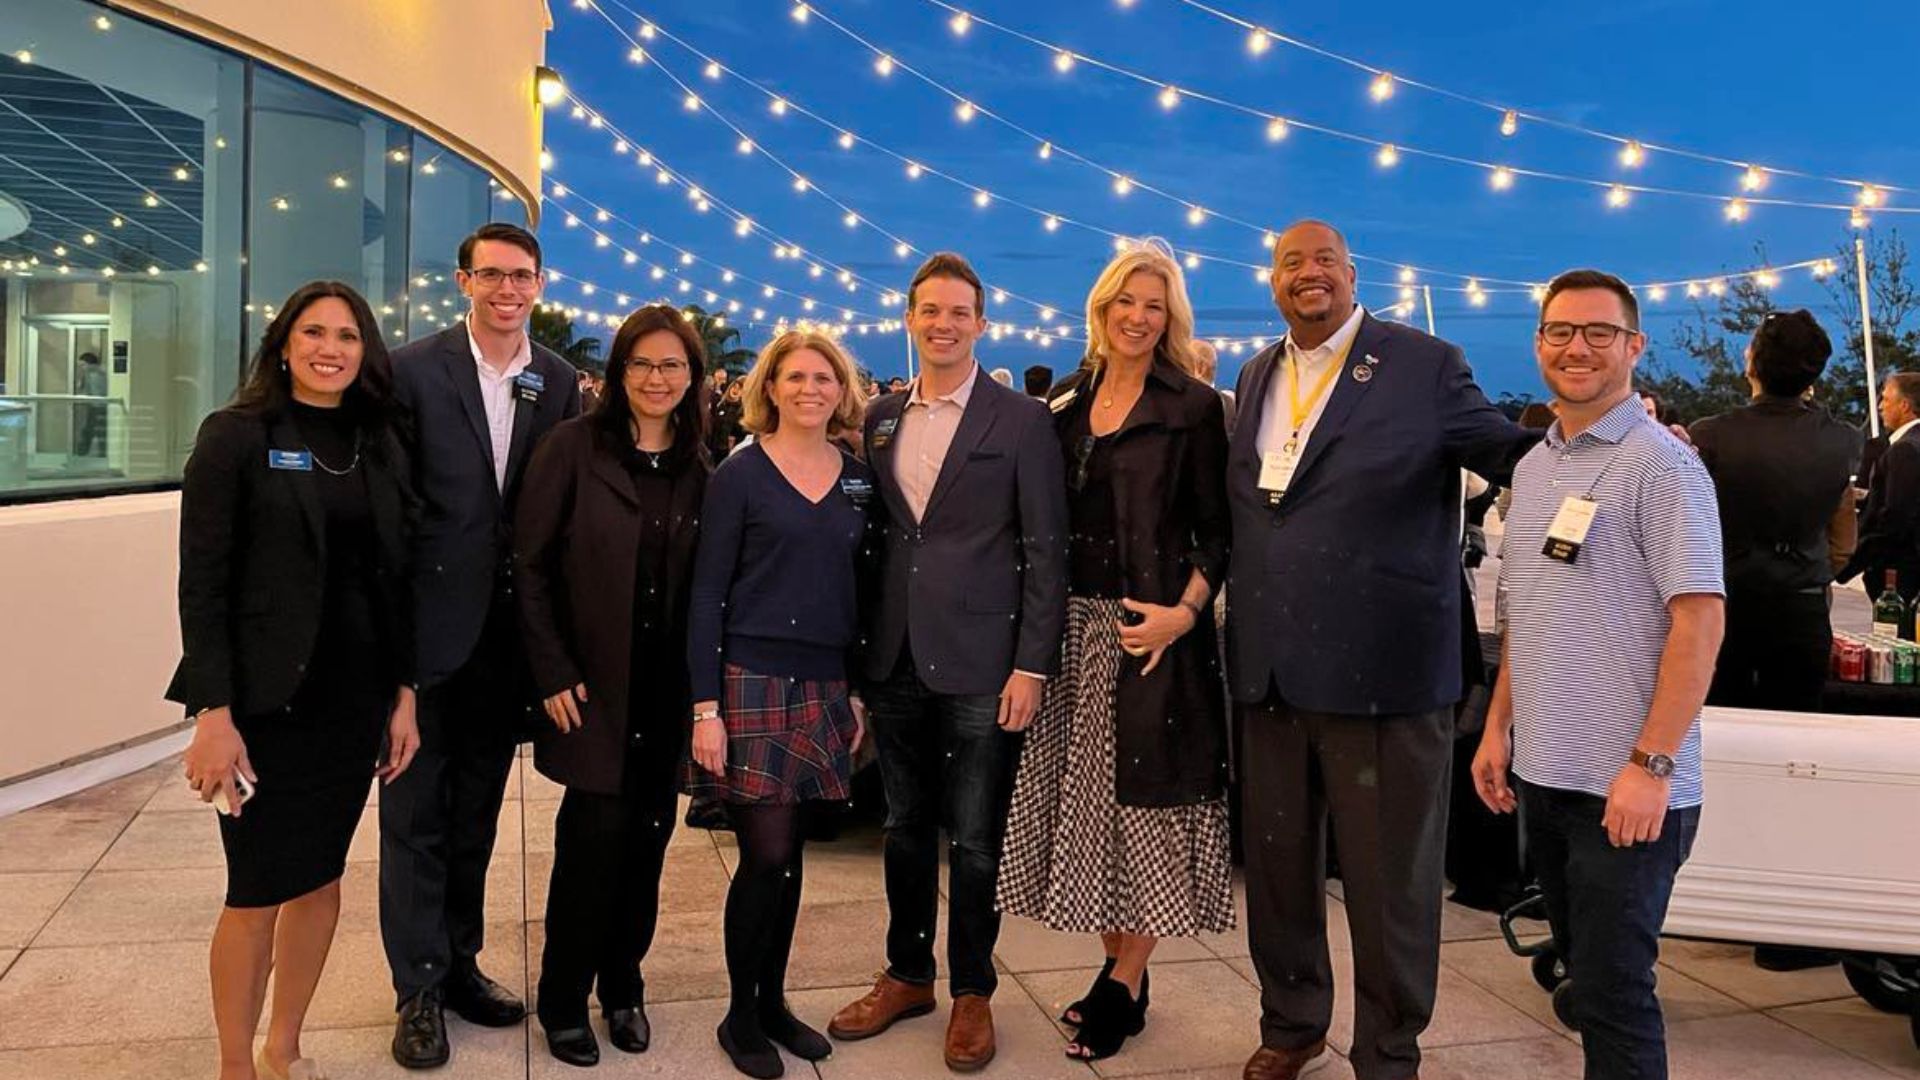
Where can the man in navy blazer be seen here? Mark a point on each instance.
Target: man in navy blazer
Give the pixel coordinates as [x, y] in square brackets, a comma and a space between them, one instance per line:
[1343, 639]
[971, 609]
[475, 398]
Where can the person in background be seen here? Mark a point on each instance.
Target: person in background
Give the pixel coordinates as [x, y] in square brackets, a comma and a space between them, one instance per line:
[724, 432]
[1038, 379]
[1119, 818]
[784, 549]
[1781, 469]
[92, 438]
[1599, 718]
[896, 384]
[604, 541]
[1650, 401]
[1890, 522]
[1003, 376]
[1206, 368]
[477, 397]
[965, 632]
[589, 394]
[298, 658]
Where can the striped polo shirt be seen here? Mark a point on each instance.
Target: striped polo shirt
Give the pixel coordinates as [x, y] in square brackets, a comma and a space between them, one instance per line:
[1584, 640]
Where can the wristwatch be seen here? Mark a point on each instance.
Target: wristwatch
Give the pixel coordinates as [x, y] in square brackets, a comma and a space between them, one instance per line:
[1658, 766]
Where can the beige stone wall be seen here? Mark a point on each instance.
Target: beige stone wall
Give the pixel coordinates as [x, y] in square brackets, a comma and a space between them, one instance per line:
[459, 70]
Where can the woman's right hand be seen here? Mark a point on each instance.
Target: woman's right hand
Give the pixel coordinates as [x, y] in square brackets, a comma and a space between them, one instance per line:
[709, 738]
[215, 754]
[564, 710]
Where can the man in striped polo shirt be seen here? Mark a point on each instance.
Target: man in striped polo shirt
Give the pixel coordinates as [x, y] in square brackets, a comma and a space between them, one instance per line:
[1612, 569]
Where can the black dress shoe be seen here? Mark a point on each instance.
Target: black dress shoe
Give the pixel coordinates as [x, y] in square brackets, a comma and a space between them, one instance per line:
[479, 1000]
[575, 1046]
[750, 1052]
[785, 1029]
[420, 1035]
[628, 1029]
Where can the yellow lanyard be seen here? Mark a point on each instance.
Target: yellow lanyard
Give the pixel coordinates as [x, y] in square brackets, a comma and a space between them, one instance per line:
[1298, 410]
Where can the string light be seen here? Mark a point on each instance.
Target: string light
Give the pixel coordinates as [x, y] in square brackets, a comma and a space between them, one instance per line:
[800, 13]
[778, 106]
[1196, 215]
[965, 111]
[1063, 61]
[1869, 196]
[712, 70]
[1736, 210]
[883, 65]
[1501, 179]
[1509, 123]
[846, 140]
[1388, 156]
[1258, 41]
[960, 24]
[1122, 185]
[1382, 87]
[1046, 151]
[1657, 293]
[1276, 129]
[1618, 196]
[1753, 179]
[1169, 97]
[1632, 154]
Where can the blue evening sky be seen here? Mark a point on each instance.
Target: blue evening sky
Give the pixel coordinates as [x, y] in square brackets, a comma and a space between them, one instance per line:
[1824, 89]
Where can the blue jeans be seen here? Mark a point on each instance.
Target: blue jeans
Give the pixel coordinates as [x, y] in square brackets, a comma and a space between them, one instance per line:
[1606, 906]
[945, 763]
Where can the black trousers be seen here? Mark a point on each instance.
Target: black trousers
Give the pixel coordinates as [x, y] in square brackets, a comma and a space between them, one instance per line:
[438, 819]
[604, 900]
[1382, 780]
[1775, 652]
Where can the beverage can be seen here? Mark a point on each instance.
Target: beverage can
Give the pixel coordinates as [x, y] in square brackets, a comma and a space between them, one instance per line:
[1881, 663]
[1904, 657]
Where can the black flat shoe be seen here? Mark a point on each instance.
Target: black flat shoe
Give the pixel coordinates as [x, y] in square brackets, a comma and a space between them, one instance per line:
[760, 1062]
[1072, 1014]
[1112, 1017]
[420, 1034]
[799, 1040]
[479, 1000]
[575, 1046]
[628, 1029]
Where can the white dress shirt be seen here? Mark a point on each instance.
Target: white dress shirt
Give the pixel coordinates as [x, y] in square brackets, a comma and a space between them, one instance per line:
[1276, 418]
[927, 428]
[496, 394]
[1901, 432]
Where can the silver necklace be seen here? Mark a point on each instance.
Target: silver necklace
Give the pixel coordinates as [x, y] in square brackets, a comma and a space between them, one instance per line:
[330, 470]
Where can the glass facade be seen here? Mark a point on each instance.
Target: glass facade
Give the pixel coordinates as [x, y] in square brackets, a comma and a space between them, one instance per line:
[159, 197]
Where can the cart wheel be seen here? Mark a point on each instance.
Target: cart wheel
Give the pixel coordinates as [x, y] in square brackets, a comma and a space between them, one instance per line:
[1549, 970]
[1875, 990]
[1563, 1005]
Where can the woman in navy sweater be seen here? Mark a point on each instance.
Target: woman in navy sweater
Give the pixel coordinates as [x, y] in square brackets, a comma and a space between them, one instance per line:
[775, 611]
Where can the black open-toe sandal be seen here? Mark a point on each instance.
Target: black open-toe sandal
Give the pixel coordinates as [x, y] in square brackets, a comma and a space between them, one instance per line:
[1109, 1020]
[1071, 1015]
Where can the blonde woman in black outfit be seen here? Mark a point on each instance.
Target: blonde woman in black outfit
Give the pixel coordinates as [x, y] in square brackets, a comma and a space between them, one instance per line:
[298, 661]
[604, 543]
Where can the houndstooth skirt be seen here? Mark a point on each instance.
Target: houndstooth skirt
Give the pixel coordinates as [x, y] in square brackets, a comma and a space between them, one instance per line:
[1074, 858]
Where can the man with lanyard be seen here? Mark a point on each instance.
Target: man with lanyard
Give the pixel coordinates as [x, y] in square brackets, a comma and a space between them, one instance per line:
[1615, 610]
[475, 398]
[1343, 650]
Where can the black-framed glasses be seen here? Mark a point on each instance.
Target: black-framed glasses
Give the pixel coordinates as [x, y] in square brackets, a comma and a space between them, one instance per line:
[671, 370]
[492, 276]
[1598, 335]
[1082, 454]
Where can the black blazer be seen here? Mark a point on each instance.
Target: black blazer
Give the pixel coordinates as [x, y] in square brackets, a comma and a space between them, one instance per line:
[462, 554]
[1890, 524]
[1347, 596]
[1780, 467]
[979, 584]
[576, 533]
[253, 564]
[1170, 510]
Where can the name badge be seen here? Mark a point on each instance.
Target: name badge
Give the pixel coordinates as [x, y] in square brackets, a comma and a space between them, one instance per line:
[857, 489]
[291, 460]
[883, 432]
[1276, 473]
[1569, 529]
[528, 384]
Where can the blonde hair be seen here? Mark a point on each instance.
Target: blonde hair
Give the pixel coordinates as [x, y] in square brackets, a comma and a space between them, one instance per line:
[757, 413]
[1151, 256]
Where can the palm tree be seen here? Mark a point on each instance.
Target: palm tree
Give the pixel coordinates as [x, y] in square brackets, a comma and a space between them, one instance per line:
[720, 340]
[554, 329]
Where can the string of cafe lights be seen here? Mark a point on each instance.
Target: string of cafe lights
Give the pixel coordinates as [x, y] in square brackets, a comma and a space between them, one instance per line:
[1382, 83]
[1869, 197]
[1475, 288]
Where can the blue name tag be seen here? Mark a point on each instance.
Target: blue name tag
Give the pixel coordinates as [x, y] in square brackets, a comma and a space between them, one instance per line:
[295, 460]
[532, 380]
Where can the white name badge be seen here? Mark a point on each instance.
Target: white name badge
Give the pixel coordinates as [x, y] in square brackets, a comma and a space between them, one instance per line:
[1569, 529]
[1276, 472]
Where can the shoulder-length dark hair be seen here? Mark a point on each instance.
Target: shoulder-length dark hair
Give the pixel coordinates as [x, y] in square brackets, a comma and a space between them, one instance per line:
[614, 412]
[269, 386]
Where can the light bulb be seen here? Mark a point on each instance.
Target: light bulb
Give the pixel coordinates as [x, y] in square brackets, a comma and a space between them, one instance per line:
[1046, 150]
[1406, 275]
[746, 146]
[778, 106]
[902, 249]
[1169, 97]
[1258, 41]
[1632, 154]
[1736, 210]
[914, 170]
[1501, 179]
[712, 70]
[800, 13]
[846, 140]
[1196, 215]
[883, 65]
[1122, 185]
[1388, 156]
[1063, 61]
[851, 220]
[981, 198]
[692, 103]
[1382, 87]
[1052, 223]
[1753, 179]
[1509, 122]
[960, 24]
[965, 111]
[1276, 129]
[1618, 195]
[1657, 293]
[1869, 196]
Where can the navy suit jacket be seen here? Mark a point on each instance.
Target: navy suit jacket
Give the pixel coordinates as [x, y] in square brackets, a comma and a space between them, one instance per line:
[979, 585]
[463, 549]
[1346, 597]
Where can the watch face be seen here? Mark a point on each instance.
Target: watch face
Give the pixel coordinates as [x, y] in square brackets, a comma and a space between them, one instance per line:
[1660, 765]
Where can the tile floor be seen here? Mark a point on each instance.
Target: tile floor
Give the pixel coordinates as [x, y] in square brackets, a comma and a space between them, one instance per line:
[107, 900]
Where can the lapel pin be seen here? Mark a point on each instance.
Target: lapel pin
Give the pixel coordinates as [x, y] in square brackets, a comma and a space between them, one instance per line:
[1372, 359]
[1362, 373]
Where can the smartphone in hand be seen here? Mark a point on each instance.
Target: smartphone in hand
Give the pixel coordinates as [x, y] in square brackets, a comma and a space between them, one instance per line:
[231, 798]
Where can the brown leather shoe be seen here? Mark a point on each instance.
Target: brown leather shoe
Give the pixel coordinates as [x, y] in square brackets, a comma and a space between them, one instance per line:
[1273, 1063]
[970, 1034]
[888, 1001]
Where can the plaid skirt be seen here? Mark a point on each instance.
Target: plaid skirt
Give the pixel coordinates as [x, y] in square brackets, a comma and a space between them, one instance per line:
[788, 741]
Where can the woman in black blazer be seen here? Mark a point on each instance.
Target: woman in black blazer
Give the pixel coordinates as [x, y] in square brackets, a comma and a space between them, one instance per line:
[1119, 817]
[604, 542]
[298, 658]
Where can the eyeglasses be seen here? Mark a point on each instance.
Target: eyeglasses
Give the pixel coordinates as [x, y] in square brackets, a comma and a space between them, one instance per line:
[492, 276]
[1082, 453]
[671, 370]
[1598, 335]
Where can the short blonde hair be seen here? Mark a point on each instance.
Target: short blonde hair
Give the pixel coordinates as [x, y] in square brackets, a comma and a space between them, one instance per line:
[1206, 360]
[1151, 256]
[757, 413]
